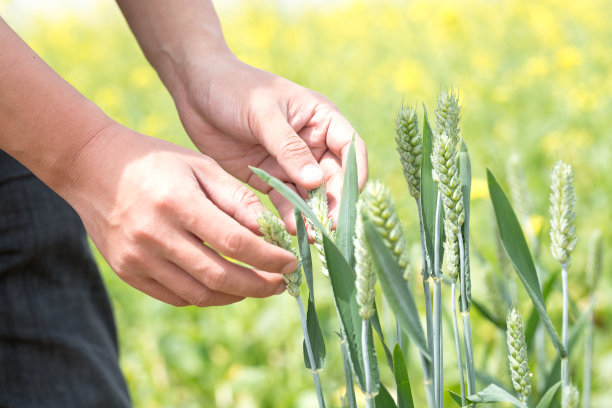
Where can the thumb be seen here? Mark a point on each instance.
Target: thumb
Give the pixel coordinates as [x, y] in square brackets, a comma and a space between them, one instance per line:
[290, 151]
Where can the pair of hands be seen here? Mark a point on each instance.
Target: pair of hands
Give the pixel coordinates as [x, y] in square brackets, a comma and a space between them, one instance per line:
[149, 205]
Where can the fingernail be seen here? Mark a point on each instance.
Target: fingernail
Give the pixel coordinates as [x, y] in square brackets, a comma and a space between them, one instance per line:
[311, 174]
[289, 268]
[280, 289]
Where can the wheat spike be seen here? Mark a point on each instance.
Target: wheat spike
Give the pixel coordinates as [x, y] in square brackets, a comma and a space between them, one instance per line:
[410, 148]
[318, 203]
[274, 232]
[562, 202]
[364, 268]
[517, 355]
[379, 208]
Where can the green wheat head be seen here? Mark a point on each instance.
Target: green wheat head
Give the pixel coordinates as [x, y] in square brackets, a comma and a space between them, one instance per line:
[451, 253]
[410, 148]
[562, 202]
[364, 268]
[448, 114]
[517, 355]
[379, 208]
[274, 232]
[318, 203]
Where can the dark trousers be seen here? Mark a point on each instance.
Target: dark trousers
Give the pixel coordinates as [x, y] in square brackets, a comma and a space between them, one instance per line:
[58, 342]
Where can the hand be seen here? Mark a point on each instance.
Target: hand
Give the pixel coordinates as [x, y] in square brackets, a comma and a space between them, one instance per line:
[149, 206]
[242, 116]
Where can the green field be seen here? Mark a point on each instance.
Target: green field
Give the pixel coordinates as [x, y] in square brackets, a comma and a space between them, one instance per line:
[534, 79]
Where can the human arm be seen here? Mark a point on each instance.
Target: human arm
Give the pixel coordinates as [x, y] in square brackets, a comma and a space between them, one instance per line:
[148, 205]
[240, 115]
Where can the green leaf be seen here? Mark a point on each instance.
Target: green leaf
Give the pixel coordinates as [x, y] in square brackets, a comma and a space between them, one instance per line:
[345, 229]
[375, 321]
[404, 393]
[396, 291]
[534, 317]
[315, 334]
[465, 170]
[514, 243]
[493, 393]
[290, 195]
[548, 396]
[429, 195]
[456, 397]
[384, 399]
[342, 279]
[348, 373]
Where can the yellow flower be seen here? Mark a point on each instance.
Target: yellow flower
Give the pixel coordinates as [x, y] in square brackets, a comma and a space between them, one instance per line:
[568, 57]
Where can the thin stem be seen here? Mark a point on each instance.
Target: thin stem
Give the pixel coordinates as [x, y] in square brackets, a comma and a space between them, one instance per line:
[588, 357]
[437, 313]
[365, 325]
[565, 361]
[315, 373]
[348, 372]
[458, 341]
[425, 267]
[398, 333]
[467, 327]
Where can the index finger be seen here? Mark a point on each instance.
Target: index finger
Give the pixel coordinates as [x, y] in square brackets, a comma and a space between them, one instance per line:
[339, 136]
[235, 241]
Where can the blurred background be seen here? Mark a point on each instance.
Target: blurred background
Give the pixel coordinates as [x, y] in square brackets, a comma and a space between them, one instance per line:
[534, 80]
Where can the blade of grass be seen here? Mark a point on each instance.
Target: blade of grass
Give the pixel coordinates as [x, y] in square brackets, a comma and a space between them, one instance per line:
[429, 192]
[404, 392]
[548, 396]
[493, 393]
[342, 278]
[516, 247]
[314, 330]
[384, 399]
[345, 229]
[395, 289]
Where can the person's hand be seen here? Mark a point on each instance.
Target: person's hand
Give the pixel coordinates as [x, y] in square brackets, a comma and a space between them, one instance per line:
[242, 116]
[149, 206]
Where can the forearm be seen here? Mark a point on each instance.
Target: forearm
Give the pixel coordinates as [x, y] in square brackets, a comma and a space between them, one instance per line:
[45, 122]
[176, 36]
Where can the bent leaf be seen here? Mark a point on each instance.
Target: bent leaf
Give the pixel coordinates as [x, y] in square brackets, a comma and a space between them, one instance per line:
[315, 334]
[396, 291]
[515, 244]
[493, 393]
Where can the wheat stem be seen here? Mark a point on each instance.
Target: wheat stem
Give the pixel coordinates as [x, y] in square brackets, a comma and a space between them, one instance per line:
[564, 340]
[437, 313]
[457, 341]
[428, 314]
[365, 325]
[467, 327]
[348, 372]
[315, 372]
[588, 356]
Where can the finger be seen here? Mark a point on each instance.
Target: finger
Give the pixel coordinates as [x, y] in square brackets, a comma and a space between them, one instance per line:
[339, 136]
[190, 289]
[289, 150]
[285, 209]
[231, 196]
[221, 275]
[227, 236]
[152, 288]
[334, 180]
